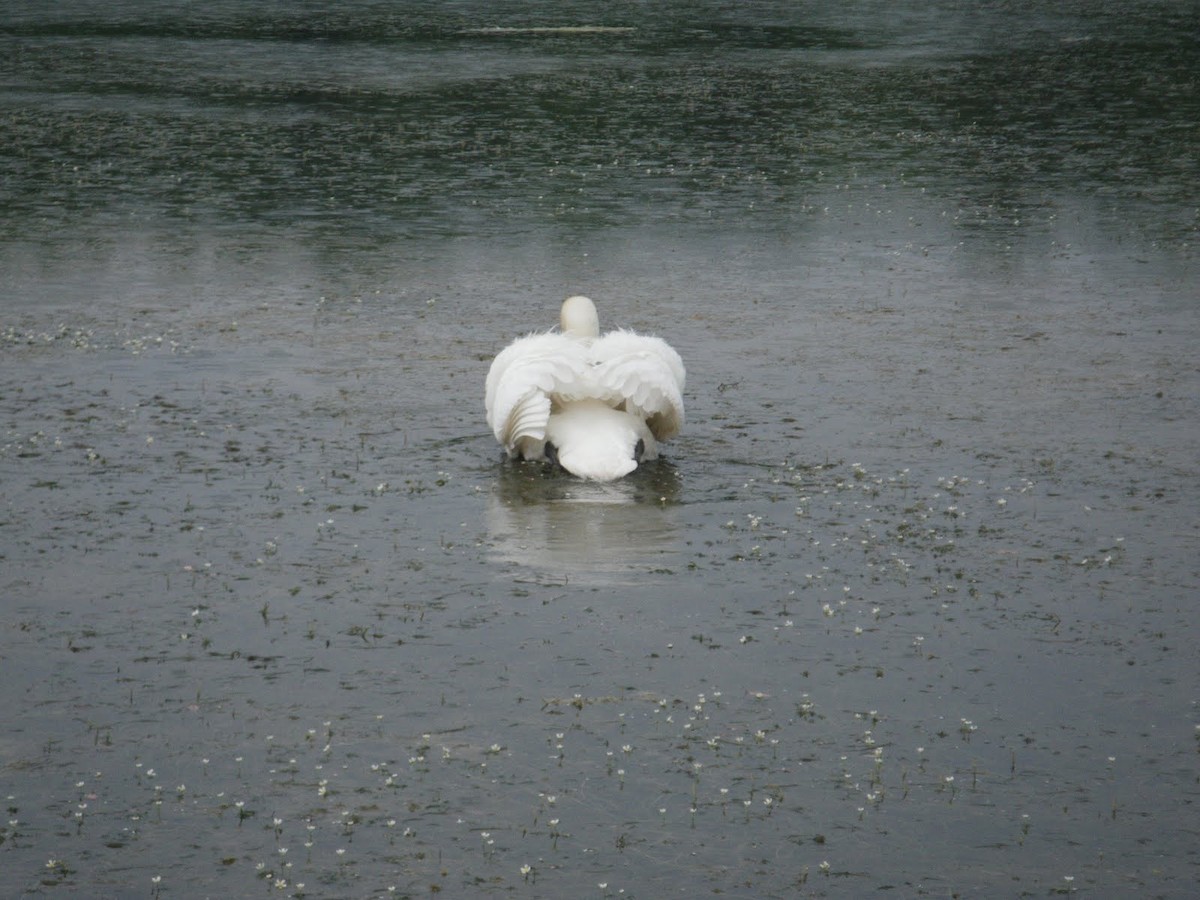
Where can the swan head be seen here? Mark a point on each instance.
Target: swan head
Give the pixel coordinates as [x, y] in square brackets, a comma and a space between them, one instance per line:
[579, 318]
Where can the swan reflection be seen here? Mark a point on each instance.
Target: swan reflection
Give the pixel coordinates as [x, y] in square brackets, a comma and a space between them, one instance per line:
[584, 531]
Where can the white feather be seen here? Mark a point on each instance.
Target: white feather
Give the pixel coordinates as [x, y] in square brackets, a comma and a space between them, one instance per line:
[595, 399]
[524, 379]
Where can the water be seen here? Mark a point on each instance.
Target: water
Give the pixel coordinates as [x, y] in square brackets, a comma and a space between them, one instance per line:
[909, 606]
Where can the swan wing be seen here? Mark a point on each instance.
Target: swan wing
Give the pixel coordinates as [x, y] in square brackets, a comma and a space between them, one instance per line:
[524, 378]
[643, 374]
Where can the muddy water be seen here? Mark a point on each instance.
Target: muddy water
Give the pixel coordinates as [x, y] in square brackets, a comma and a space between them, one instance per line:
[908, 606]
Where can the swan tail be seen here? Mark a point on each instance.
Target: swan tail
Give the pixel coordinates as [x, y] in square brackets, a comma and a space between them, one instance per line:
[596, 442]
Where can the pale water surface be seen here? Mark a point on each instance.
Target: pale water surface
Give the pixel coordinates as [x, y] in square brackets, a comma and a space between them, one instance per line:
[909, 607]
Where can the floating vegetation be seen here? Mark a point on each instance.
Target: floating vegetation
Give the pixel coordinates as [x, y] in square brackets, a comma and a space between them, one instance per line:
[840, 681]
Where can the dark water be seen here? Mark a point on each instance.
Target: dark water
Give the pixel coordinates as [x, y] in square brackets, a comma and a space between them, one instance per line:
[908, 608]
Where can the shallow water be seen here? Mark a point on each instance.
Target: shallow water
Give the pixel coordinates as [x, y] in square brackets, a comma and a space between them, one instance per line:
[908, 606]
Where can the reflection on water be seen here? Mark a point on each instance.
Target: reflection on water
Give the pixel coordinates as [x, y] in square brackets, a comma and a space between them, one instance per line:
[582, 531]
[420, 120]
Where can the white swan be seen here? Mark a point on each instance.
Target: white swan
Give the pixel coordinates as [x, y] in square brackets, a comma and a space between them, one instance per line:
[595, 405]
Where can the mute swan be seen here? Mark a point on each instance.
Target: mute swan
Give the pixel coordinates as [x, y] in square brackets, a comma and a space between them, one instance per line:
[595, 405]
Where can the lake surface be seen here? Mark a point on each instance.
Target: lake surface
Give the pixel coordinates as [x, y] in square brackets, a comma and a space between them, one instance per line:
[910, 606]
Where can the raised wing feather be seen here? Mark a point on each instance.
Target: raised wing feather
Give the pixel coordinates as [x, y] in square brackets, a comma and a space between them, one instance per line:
[523, 379]
[643, 373]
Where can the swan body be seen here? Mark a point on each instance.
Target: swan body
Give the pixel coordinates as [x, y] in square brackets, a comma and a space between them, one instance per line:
[596, 405]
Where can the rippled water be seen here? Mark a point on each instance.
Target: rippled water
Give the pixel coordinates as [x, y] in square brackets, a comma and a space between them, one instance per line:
[908, 607]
